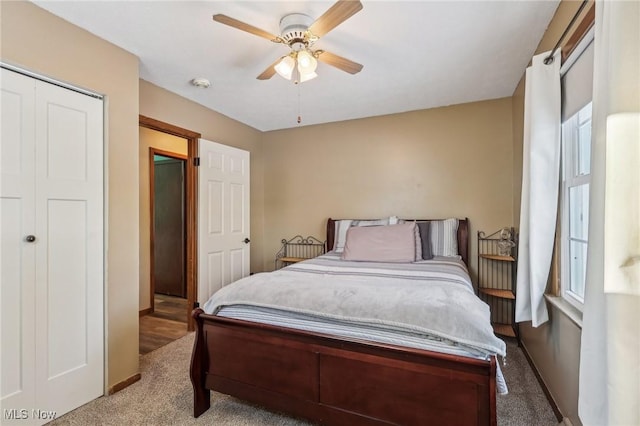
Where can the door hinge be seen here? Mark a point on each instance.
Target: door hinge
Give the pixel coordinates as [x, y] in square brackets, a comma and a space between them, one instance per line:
[196, 161]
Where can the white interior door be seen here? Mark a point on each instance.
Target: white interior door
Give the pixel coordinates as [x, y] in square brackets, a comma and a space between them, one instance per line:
[69, 246]
[17, 257]
[223, 217]
[52, 231]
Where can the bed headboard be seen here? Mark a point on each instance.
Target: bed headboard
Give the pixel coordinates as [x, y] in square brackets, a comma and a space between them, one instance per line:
[463, 236]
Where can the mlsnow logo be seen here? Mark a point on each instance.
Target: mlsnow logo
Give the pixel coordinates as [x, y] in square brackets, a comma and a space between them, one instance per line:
[15, 414]
[43, 414]
[24, 414]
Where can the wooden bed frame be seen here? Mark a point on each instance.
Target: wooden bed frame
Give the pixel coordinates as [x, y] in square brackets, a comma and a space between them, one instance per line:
[337, 381]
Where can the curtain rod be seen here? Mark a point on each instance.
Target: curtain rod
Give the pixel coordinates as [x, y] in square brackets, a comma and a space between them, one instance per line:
[549, 59]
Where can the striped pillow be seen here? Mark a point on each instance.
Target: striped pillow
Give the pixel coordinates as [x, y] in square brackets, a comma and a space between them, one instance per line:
[444, 237]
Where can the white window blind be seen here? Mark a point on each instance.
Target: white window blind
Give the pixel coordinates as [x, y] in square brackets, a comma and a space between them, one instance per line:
[577, 81]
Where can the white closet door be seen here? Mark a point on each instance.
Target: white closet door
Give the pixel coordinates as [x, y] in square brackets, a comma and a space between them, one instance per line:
[223, 217]
[17, 257]
[69, 247]
[52, 287]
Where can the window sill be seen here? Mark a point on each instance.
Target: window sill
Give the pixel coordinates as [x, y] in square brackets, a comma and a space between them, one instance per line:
[574, 314]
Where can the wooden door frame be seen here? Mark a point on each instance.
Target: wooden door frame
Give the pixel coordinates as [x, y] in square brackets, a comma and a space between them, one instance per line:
[152, 230]
[191, 213]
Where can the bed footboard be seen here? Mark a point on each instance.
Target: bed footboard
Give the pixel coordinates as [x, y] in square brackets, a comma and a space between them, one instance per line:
[333, 381]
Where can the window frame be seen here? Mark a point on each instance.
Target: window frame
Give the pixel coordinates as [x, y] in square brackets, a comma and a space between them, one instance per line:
[578, 46]
[571, 178]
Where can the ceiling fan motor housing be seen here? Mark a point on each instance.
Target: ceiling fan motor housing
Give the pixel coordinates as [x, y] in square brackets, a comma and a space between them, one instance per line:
[293, 28]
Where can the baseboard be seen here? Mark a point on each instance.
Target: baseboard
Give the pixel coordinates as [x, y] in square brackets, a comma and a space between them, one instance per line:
[145, 312]
[123, 384]
[552, 402]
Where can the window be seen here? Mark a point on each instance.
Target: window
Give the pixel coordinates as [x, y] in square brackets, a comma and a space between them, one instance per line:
[576, 178]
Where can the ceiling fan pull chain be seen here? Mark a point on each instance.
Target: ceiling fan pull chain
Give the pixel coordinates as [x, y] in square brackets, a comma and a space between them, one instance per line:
[299, 119]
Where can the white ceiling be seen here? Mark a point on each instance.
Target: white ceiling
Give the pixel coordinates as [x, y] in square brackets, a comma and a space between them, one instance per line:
[416, 54]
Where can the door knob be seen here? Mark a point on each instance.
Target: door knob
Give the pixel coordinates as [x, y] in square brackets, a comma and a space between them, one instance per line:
[30, 238]
[246, 240]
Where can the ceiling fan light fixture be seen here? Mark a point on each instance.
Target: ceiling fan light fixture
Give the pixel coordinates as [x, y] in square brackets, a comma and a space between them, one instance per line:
[306, 62]
[285, 67]
[307, 76]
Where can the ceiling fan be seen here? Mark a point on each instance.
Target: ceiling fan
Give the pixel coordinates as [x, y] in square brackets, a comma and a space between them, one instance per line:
[300, 33]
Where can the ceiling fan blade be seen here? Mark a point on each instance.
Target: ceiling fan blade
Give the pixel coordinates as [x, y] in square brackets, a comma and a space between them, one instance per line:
[337, 14]
[269, 72]
[224, 19]
[339, 62]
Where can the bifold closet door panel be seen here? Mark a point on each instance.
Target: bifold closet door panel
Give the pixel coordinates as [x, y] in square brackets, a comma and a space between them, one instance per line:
[17, 256]
[69, 253]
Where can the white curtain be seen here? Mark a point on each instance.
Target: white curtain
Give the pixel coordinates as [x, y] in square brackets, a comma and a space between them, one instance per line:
[540, 180]
[609, 390]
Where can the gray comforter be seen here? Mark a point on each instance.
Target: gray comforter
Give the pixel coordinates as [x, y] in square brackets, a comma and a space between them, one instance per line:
[432, 298]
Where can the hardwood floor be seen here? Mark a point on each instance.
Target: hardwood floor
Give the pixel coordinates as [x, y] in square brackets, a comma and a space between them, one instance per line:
[171, 308]
[166, 324]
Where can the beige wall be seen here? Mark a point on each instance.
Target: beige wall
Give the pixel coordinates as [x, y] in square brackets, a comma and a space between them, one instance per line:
[163, 105]
[165, 142]
[40, 42]
[555, 346]
[437, 163]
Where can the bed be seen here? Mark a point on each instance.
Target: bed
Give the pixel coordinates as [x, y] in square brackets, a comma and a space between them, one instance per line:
[331, 376]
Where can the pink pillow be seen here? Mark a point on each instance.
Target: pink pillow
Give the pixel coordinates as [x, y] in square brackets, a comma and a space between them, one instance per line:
[392, 243]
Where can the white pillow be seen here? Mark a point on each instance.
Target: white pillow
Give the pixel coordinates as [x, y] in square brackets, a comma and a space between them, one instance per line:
[342, 226]
[341, 234]
[378, 222]
[444, 237]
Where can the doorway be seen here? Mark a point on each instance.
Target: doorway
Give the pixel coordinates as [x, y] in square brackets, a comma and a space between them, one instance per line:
[168, 224]
[168, 250]
[185, 161]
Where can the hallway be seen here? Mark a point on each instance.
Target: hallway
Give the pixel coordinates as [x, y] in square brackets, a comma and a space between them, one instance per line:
[166, 324]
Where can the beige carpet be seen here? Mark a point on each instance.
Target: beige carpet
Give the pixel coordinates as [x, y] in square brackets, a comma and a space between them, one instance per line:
[164, 397]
